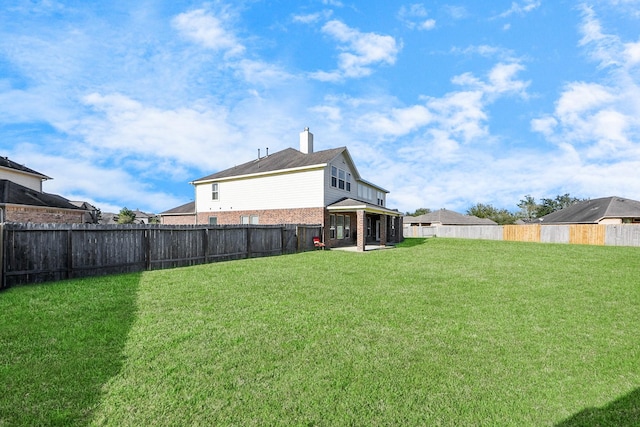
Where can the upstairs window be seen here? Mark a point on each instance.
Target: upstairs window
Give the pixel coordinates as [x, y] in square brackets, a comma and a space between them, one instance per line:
[364, 192]
[380, 198]
[214, 191]
[340, 179]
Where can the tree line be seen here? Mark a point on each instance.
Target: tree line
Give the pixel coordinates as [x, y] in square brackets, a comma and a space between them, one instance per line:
[529, 209]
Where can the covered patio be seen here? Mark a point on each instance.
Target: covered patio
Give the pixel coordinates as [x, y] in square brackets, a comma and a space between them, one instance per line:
[355, 223]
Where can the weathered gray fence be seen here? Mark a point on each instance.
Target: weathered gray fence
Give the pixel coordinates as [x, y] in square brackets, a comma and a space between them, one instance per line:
[586, 234]
[31, 253]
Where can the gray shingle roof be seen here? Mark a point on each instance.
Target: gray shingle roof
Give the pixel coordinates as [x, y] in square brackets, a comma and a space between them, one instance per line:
[447, 217]
[593, 211]
[187, 208]
[10, 164]
[286, 159]
[12, 193]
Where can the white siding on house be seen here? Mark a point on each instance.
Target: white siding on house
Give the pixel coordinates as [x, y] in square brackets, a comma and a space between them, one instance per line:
[26, 180]
[333, 194]
[302, 189]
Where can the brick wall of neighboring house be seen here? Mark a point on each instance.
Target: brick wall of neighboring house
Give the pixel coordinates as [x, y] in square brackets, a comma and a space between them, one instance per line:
[271, 216]
[34, 214]
[178, 219]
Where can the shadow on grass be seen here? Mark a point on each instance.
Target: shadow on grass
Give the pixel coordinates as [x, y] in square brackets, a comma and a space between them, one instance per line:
[410, 242]
[60, 343]
[621, 412]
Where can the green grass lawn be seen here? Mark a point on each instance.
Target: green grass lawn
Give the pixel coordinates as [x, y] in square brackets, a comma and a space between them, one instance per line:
[434, 332]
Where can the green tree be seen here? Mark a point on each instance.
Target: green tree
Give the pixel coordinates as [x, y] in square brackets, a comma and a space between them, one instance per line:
[548, 206]
[419, 211]
[528, 207]
[126, 216]
[501, 216]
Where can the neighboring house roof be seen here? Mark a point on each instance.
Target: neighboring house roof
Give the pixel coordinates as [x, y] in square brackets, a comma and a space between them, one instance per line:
[593, 211]
[349, 204]
[143, 215]
[108, 218]
[286, 159]
[10, 164]
[83, 205]
[16, 194]
[186, 209]
[447, 217]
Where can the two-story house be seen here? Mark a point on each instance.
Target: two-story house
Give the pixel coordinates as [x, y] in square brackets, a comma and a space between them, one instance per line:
[22, 198]
[296, 187]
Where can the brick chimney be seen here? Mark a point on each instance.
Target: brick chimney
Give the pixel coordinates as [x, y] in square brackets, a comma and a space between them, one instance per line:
[306, 141]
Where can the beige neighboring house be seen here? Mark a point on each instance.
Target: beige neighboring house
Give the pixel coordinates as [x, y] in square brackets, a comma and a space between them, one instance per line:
[22, 199]
[446, 217]
[413, 224]
[605, 210]
[296, 187]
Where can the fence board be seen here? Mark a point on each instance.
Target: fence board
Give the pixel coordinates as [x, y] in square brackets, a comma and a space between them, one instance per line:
[623, 235]
[522, 233]
[38, 253]
[587, 234]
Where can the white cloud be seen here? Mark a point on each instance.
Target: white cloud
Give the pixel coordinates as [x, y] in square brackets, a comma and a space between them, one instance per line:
[360, 51]
[545, 125]
[399, 121]
[456, 12]
[428, 24]
[414, 16]
[79, 178]
[203, 27]
[183, 136]
[632, 53]
[447, 122]
[600, 121]
[488, 51]
[521, 8]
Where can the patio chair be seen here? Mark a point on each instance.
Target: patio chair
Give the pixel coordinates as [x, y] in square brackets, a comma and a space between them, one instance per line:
[317, 243]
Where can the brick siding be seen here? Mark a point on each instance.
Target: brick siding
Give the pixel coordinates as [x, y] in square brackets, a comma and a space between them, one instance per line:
[25, 214]
[179, 219]
[270, 216]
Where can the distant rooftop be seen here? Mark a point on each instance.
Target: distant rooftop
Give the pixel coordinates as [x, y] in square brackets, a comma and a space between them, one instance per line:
[447, 217]
[595, 210]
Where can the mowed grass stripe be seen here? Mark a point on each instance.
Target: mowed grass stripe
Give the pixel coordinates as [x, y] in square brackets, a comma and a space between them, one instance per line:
[437, 332]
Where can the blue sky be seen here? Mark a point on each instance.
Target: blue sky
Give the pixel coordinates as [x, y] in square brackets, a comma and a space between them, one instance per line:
[444, 103]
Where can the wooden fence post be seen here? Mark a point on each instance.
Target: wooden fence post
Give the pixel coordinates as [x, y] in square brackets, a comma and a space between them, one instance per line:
[69, 253]
[205, 245]
[248, 241]
[147, 249]
[283, 240]
[3, 280]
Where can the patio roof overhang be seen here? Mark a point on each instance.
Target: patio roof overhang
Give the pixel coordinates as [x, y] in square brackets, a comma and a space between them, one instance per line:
[352, 205]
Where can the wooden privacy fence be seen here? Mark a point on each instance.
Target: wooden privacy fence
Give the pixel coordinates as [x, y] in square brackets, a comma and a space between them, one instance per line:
[583, 234]
[31, 253]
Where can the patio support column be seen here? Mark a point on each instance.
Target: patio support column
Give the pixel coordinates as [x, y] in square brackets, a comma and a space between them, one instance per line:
[384, 223]
[362, 230]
